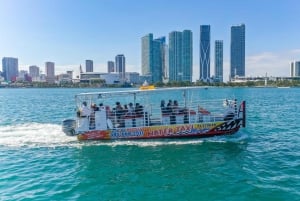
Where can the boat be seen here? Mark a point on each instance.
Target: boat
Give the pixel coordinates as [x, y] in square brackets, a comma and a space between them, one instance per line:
[146, 86]
[155, 113]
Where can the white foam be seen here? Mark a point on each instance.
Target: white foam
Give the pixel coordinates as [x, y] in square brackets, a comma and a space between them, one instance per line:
[34, 135]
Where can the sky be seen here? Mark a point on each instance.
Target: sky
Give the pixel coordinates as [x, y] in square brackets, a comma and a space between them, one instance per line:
[68, 32]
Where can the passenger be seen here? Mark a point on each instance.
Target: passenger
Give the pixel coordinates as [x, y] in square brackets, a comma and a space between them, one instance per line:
[125, 111]
[175, 109]
[94, 107]
[119, 114]
[92, 116]
[169, 108]
[84, 110]
[130, 109]
[136, 109]
[163, 107]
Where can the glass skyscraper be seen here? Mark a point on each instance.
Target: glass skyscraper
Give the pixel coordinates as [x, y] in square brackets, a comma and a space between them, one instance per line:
[120, 66]
[180, 55]
[89, 66]
[110, 66]
[187, 55]
[153, 57]
[204, 53]
[10, 68]
[50, 72]
[237, 51]
[219, 61]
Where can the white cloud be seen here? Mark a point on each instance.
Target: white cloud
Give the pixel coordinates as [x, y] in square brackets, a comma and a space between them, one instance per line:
[273, 63]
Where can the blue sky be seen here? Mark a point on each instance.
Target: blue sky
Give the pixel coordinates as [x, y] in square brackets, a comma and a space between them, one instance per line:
[69, 31]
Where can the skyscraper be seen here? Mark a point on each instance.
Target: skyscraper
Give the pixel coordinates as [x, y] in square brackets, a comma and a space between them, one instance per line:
[10, 68]
[110, 66]
[187, 55]
[237, 51]
[120, 66]
[147, 54]
[295, 69]
[50, 72]
[153, 57]
[204, 53]
[34, 72]
[89, 66]
[180, 55]
[219, 61]
[175, 56]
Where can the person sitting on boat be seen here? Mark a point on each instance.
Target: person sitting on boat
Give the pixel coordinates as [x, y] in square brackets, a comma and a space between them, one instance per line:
[175, 108]
[125, 111]
[130, 109]
[169, 108]
[163, 107]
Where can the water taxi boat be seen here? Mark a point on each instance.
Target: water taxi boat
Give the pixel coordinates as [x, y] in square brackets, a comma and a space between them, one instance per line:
[153, 113]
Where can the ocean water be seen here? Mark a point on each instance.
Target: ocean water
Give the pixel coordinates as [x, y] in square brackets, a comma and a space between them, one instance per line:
[38, 162]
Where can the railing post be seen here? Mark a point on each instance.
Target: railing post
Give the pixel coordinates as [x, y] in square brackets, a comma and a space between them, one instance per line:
[235, 107]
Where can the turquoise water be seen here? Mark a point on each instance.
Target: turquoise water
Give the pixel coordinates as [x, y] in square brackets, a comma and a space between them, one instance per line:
[38, 162]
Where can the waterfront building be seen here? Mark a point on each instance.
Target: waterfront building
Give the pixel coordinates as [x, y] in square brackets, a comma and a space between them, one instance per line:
[111, 78]
[204, 53]
[110, 67]
[153, 57]
[132, 77]
[219, 61]
[22, 75]
[34, 73]
[70, 73]
[180, 56]
[89, 66]
[295, 69]
[50, 72]
[10, 68]
[120, 66]
[237, 51]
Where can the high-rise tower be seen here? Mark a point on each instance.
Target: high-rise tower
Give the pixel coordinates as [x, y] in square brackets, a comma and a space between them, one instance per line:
[180, 55]
[50, 72]
[153, 57]
[237, 51]
[10, 68]
[110, 66]
[219, 61]
[204, 53]
[120, 66]
[89, 66]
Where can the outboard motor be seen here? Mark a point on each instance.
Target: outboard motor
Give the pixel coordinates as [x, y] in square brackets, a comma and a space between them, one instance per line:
[68, 127]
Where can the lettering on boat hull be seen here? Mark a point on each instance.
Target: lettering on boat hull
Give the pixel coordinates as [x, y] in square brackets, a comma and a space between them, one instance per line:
[169, 131]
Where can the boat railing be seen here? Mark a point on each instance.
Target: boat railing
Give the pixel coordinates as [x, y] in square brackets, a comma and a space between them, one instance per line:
[152, 114]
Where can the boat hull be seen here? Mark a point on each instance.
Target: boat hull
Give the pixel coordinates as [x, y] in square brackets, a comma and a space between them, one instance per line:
[197, 130]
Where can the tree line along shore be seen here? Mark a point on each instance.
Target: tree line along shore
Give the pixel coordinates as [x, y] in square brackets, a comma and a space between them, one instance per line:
[281, 83]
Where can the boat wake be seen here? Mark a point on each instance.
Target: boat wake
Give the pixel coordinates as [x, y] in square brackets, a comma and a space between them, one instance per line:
[51, 135]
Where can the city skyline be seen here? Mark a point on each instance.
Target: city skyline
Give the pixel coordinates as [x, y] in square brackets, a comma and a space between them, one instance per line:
[34, 34]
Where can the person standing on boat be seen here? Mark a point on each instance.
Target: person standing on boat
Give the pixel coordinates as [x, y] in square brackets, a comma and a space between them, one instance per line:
[84, 111]
[84, 114]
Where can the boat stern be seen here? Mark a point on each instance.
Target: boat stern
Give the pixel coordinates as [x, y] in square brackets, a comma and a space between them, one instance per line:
[68, 127]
